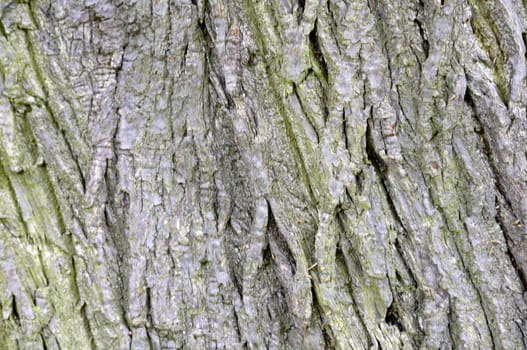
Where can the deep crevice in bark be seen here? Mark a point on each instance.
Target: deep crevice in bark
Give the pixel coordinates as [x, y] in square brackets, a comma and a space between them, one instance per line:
[344, 260]
[327, 334]
[487, 33]
[189, 33]
[381, 168]
[480, 298]
[15, 200]
[392, 317]
[213, 60]
[2, 30]
[43, 340]
[238, 329]
[33, 54]
[509, 241]
[317, 51]
[345, 136]
[450, 323]
[500, 190]
[279, 243]
[149, 325]
[301, 7]
[14, 310]
[88, 327]
[404, 258]
[304, 111]
[421, 27]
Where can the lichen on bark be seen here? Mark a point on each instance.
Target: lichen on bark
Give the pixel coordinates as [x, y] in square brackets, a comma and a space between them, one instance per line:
[200, 174]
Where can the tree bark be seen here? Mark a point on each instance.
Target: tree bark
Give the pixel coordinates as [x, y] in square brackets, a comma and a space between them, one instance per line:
[271, 174]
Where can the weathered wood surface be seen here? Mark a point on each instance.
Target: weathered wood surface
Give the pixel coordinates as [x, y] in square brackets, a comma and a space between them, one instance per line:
[203, 174]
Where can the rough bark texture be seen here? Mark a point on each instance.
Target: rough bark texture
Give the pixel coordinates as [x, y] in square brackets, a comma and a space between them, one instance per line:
[271, 174]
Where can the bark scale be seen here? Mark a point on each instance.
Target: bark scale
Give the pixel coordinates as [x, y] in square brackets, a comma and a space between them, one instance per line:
[311, 174]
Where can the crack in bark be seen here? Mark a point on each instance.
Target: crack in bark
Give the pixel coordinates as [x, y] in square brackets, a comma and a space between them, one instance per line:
[339, 254]
[478, 293]
[278, 243]
[2, 29]
[392, 317]
[466, 270]
[149, 326]
[381, 168]
[301, 7]
[522, 275]
[38, 72]
[238, 329]
[82, 310]
[282, 320]
[422, 32]
[14, 311]
[450, 322]
[317, 51]
[481, 22]
[327, 334]
[304, 111]
[14, 200]
[509, 242]
[297, 154]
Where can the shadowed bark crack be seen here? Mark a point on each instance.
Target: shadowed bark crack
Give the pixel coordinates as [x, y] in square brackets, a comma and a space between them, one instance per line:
[502, 203]
[213, 174]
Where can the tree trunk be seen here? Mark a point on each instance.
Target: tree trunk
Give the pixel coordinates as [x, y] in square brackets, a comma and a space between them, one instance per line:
[271, 174]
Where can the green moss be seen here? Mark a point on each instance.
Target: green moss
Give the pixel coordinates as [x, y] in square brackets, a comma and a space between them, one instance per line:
[279, 89]
[487, 34]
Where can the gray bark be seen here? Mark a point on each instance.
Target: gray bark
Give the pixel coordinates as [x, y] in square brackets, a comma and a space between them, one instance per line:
[202, 174]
